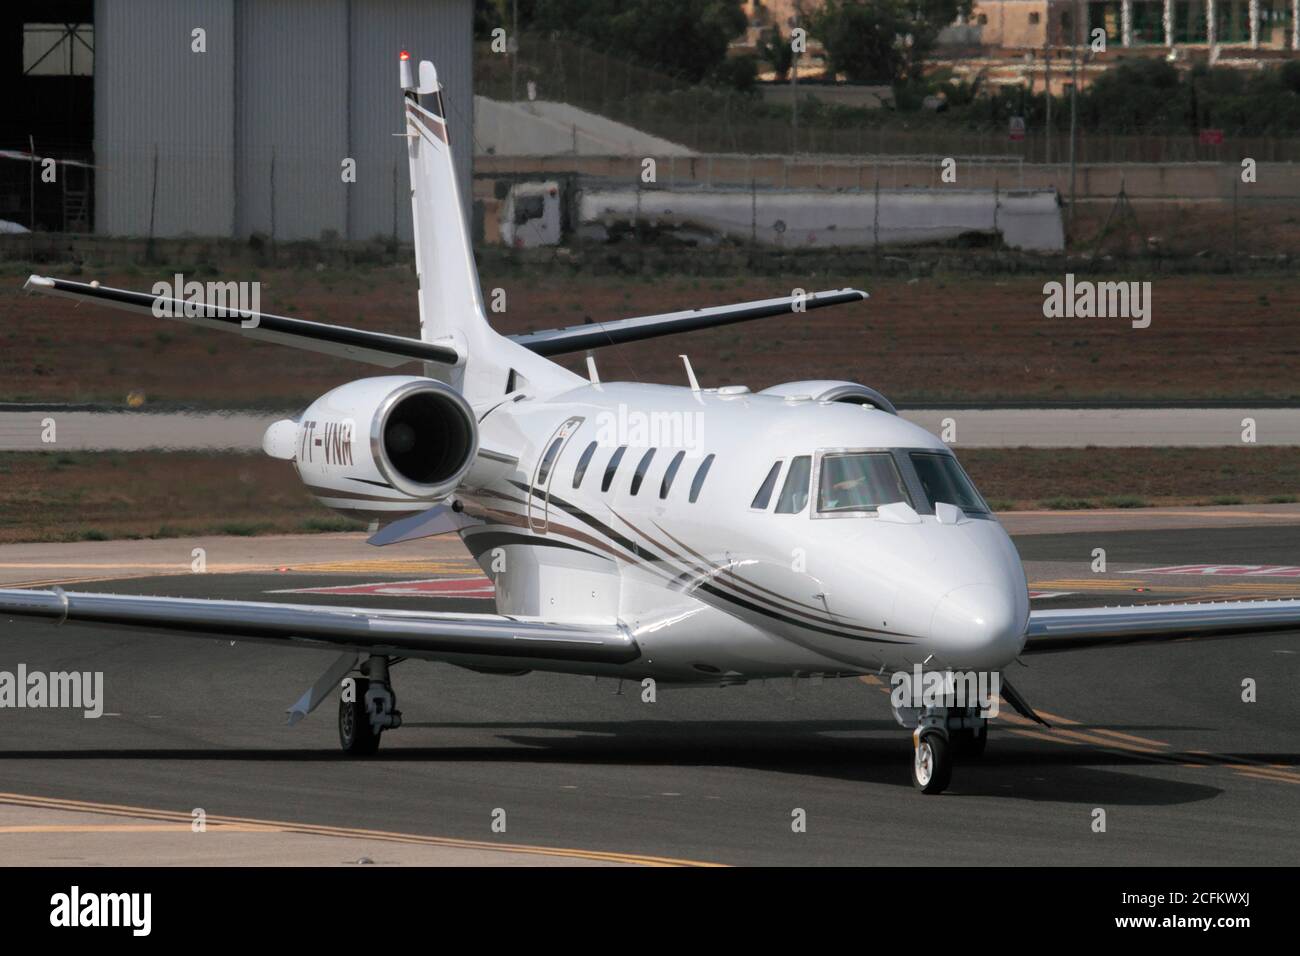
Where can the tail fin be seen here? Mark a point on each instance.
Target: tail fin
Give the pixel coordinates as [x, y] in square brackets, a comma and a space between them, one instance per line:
[451, 305]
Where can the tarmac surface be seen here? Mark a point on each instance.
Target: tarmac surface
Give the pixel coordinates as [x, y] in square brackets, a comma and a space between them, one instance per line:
[1156, 735]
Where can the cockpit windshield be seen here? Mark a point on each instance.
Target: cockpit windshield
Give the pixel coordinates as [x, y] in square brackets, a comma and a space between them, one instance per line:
[859, 481]
[943, 480]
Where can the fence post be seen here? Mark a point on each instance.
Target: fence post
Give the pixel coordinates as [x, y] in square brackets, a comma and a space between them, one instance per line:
[153, 203]
[1235, 180]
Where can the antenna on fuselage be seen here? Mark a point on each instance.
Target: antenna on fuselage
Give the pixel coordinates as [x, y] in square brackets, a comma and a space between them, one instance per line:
[690, 373]
[591, 370]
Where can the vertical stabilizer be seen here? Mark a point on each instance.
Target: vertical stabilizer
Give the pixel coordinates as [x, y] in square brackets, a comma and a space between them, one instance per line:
[451, 304]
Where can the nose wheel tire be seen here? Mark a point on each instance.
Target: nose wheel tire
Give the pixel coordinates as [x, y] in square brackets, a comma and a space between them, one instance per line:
[356, 735]
[931, 763]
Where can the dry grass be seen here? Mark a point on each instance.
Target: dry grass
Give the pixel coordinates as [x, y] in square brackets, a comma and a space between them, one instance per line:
[98, 495]
[1133, 477]
[934, 339]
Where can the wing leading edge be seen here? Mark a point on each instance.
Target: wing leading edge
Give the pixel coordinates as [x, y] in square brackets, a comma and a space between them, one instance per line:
[1060, 629]
[406, 633]
[578, 338]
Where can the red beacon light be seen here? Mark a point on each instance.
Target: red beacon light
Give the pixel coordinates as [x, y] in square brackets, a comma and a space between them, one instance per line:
[403, 55]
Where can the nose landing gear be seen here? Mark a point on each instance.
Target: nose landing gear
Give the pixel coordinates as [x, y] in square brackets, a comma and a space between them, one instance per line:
[942, 736]
[931, 760]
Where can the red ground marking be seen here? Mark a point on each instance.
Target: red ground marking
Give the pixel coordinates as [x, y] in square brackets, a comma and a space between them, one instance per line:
[1228, 570]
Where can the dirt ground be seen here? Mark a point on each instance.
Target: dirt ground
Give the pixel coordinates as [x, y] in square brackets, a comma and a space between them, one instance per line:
[100, 495]
[980, 339]
[90, 496]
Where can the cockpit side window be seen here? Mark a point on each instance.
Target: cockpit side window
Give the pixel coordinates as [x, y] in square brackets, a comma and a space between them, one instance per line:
[764, 495]
[794, 493]
[943, 480]
[859, 481]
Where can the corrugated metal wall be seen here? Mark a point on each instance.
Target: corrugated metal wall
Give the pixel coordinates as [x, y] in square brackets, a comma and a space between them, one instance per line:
[251, 135]
[291, 124]
[437, 30]
[152, 91]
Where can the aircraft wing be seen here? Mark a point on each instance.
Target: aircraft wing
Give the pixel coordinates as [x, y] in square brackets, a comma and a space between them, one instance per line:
[376, 348]
[399, 633]
[1066, 628]
[578, 338]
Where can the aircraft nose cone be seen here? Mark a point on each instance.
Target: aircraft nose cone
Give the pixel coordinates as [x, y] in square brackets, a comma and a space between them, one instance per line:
[978, 627]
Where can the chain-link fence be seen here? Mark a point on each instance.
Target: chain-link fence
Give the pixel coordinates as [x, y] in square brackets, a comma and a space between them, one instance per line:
[711, 119]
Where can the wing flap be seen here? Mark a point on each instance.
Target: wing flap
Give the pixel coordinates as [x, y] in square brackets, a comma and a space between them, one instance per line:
[375, 348]
[1083, 627]
[578, 338]
[408, 633]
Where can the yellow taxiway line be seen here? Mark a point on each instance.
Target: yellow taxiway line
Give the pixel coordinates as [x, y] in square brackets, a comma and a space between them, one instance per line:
[180, 820]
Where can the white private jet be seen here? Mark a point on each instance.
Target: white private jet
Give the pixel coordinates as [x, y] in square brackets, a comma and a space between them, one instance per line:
[685, 535]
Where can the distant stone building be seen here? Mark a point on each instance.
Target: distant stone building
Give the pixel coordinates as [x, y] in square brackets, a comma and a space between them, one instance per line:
[1034, 24]
[1270, 25]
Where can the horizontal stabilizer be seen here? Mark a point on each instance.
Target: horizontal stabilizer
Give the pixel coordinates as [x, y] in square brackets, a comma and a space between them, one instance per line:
[578, 338]
[375, 348]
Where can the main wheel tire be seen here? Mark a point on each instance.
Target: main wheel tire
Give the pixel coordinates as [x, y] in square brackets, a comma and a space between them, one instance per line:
[931, 763]
[356, 736]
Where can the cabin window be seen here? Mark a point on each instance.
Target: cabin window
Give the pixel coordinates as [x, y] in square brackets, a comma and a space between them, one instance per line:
[612, 467]
[700, 475]
[764, 495]
[544, 469]
[859, 481]
[641, 467]
[942, 479]
[581, 471]
[670, 473]
[794, 493]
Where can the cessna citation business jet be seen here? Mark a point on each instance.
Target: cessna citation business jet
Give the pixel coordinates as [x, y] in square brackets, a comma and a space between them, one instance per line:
[803, 530]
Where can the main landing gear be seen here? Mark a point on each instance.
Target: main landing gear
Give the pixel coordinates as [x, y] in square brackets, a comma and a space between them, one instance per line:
[942, 736]
[369, 710]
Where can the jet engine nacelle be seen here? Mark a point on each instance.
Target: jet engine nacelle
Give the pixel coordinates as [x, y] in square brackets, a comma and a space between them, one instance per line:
[831, 391]
[380, 447]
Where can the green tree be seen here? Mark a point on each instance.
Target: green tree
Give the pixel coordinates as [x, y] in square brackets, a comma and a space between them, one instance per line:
[774, 49]
[687, 37]
[882, 41]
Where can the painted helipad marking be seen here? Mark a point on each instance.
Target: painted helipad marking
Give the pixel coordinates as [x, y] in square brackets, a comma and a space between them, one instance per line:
[1226, 570]
[478, 587]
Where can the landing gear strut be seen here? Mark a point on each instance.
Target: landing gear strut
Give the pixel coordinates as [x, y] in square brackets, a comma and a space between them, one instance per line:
[371, 709]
